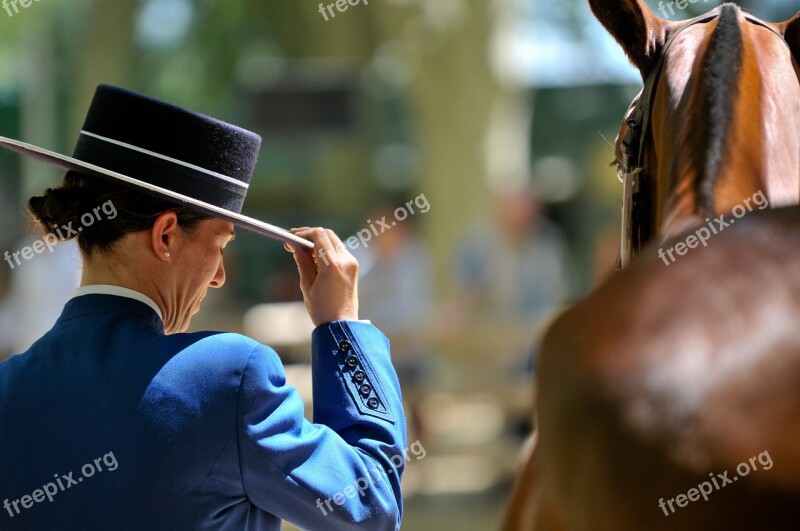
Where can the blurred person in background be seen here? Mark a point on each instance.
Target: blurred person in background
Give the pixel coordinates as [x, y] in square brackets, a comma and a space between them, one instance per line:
[5, 276]
[509, 279]
[153, 428]
[515, 268]
[396, 292]
[37, 291]
[5, 348]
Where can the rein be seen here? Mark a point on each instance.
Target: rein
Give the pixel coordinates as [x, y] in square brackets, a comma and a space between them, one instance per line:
[634, 230]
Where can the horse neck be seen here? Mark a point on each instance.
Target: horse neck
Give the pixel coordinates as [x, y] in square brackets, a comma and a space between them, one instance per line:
[758, 149]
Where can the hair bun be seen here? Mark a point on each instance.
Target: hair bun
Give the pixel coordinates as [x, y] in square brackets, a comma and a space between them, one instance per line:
[58, 207]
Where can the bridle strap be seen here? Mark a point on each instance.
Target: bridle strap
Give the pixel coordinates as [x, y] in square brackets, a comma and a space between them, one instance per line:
[754, 20]
[639, 122]
[633, 150]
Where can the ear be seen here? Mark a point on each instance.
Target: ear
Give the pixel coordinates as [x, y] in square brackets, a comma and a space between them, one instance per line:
[791, 32]
[634, 26]
[163, 234]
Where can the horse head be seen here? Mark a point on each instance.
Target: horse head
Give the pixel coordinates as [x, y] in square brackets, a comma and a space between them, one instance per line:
[721, 109]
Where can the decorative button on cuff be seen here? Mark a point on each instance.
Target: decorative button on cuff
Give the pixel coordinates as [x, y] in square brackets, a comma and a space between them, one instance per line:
[359, 377]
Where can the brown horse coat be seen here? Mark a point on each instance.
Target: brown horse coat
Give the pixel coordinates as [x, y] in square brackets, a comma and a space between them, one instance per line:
[693, 371]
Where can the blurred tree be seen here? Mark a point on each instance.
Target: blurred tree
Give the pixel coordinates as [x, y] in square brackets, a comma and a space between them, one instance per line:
[436, 54]
[452, 92]
[106, 52]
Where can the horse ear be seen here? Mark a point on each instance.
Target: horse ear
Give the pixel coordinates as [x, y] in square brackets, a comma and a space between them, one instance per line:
[791, 32]
[634, 26]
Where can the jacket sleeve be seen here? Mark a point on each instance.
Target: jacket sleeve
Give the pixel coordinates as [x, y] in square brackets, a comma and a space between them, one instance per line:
[343, 471]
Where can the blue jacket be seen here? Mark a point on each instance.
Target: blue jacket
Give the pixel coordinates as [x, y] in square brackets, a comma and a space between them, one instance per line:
[108, 424]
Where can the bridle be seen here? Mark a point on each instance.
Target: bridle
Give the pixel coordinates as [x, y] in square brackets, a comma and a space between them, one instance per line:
[635, 221]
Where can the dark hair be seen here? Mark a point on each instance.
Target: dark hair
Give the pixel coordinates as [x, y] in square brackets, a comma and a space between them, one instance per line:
[81, 195]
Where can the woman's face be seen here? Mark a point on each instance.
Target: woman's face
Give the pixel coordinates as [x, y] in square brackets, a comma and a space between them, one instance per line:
[197, 262]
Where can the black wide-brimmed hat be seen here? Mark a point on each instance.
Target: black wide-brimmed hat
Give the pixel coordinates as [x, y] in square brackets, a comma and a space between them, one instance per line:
[194, 160]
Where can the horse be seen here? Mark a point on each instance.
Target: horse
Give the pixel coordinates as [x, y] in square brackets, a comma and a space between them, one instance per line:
[637, 404]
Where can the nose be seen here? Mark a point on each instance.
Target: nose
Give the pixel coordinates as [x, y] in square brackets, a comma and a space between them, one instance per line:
[219, 277]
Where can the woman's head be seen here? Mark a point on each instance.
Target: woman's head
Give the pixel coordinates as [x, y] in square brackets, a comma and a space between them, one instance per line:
[132, 239]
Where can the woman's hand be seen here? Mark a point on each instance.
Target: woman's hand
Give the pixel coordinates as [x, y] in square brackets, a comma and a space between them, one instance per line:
[328, 276]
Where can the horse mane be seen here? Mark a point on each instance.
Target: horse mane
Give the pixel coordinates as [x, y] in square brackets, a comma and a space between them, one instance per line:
[723, 63]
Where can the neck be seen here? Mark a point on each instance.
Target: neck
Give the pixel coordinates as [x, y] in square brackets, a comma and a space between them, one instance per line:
[105, 270]
[732, 141]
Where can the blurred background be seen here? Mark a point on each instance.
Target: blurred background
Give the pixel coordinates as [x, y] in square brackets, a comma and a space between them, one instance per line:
[479, 132]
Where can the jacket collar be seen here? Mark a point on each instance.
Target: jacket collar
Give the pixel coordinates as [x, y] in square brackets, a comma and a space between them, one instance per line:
[97, 304]
[108, 289]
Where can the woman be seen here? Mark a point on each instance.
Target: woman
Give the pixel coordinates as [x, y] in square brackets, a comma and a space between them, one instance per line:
[117, 419]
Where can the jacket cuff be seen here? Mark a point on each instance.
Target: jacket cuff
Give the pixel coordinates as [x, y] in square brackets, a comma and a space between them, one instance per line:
[358, 355]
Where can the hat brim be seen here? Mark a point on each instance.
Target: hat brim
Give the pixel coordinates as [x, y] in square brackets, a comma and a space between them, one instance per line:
[70, 163]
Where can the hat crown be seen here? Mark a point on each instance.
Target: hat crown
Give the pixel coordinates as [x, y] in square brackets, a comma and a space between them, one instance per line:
[171, 131]
[165, 146]
[161, 149]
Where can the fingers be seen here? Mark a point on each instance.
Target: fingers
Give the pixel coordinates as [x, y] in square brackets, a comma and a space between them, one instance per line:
[323, 245]
[328, 276]
[337, 243]
[304, 258]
